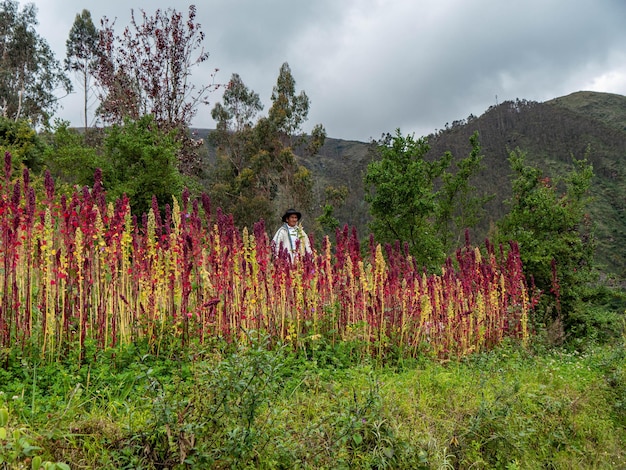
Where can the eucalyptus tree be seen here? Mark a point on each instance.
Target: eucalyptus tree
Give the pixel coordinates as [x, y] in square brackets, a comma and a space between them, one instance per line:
[284, 138]
[82, 55]
[235, 118]
[289, 111]
[257, 171]
[239, 178]
[30, 76]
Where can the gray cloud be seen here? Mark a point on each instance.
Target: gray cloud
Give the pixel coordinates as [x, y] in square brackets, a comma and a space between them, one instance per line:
[370, 66]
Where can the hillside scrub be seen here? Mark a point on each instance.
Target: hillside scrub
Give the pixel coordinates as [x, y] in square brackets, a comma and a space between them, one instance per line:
[584, 124]
[549, 220]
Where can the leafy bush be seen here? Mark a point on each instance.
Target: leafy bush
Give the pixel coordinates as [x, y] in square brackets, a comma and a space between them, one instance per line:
[549, 221]
[70, 160]
[143, 164]
[419, 201]
[21, 140]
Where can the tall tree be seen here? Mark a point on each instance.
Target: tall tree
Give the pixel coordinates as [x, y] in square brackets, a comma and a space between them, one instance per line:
[239, 179]
[459, 207]
[147, 70]
[235, 118]
[258, 173]
[82, 54]
[30, 76]
[418, 201]
[286, 140]
[288, 111]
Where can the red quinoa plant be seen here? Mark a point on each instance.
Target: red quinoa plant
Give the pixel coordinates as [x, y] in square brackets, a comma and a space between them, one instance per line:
[76, 269]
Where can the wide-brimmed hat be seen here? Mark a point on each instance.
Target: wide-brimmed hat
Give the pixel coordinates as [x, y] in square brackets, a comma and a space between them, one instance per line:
[291, 212]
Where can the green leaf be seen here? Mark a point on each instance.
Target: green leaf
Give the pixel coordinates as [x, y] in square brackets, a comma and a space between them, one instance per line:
[4, 417]
[27, 448]
[357, 438]
[62, 466]
[36, 463]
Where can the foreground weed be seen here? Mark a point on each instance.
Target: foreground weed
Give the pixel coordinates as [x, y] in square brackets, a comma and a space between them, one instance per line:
[246, 407]
[551, 410]
[218, 417]
[18, 451]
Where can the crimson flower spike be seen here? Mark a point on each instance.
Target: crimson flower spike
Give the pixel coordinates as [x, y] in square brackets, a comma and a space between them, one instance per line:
[7, 166]
[26, 179]
[98, 191]
[17, 195]
[185, 198]
[206, 206]
[31, 205]
[372, 246]
[195, 215]
[49, 185]
[168, 220]
[157, 217]
[259, 230]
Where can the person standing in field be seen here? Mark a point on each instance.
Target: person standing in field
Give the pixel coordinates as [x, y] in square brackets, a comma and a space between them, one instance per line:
[291, 236]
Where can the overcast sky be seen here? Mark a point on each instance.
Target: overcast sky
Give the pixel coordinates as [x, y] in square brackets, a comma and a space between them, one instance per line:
[371, 66]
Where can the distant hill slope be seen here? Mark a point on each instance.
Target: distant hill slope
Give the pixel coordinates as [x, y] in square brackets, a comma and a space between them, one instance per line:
[338, 163]
[606, 107]
[343, 163]
[581, 124]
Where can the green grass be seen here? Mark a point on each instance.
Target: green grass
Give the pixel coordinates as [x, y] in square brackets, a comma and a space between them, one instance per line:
[218, 407]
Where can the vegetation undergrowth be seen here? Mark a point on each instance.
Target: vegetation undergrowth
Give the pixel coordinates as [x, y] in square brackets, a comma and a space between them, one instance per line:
[227, 406]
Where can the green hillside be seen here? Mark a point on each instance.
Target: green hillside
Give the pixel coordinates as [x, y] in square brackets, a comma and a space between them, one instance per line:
[606, 107]
[581, 124]
[552, 133]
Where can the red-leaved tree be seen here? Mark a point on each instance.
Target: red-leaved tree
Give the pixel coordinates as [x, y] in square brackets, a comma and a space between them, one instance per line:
[147, 70]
